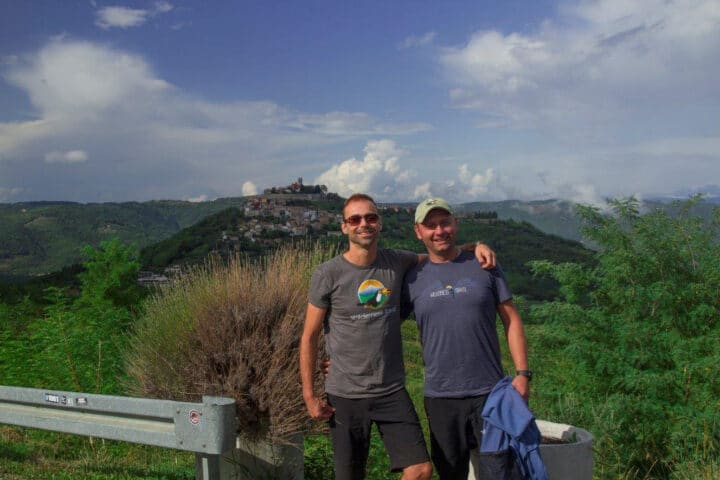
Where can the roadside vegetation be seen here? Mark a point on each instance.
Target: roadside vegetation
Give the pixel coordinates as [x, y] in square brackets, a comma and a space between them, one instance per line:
[628, 349]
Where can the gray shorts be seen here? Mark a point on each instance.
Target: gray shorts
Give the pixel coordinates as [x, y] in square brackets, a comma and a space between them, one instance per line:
[397, 421]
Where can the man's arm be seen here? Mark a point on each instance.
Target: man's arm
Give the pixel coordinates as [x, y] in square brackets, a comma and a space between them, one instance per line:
[317, 407]
[515, 334]
[484, 254]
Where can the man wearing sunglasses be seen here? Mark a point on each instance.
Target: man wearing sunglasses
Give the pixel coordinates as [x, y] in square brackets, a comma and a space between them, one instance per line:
[355, 299]
[455, 304]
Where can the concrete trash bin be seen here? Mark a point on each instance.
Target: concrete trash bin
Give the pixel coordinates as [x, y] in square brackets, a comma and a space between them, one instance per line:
[568, 454]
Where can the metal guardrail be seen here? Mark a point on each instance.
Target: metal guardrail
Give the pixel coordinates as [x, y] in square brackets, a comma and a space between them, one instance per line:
[206, 428]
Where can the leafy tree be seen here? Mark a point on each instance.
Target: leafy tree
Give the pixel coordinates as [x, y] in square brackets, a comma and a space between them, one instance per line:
[110, 275]
[76, 342]
[641, 330]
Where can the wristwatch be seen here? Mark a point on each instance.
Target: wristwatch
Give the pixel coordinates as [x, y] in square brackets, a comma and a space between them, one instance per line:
[525, 373]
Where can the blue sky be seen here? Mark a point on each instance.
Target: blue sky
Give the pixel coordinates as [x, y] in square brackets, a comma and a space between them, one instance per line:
[471, 100]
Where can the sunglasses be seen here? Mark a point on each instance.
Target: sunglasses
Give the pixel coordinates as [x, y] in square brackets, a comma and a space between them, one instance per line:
[370, 219]
[431, 225]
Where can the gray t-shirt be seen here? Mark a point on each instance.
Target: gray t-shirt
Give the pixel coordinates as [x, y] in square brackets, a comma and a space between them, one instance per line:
[455, 306]
[362, 323]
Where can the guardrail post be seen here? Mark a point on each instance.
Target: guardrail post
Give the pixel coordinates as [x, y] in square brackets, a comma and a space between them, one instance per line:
[208, 467]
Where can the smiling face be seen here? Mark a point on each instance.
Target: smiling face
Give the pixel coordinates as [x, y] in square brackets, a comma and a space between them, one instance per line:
[438, 232]
[361, 223]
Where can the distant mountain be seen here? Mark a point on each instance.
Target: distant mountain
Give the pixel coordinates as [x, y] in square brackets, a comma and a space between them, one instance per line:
[710, 194]
[556, 217]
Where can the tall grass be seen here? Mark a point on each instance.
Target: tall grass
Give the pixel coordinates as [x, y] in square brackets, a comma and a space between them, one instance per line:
[231, 330]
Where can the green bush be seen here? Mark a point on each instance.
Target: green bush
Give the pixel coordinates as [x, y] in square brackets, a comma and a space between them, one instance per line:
[74, 341]
[640, 332]
[231, 330]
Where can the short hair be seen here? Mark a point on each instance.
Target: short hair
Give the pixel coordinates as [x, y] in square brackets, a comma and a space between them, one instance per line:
[356, 197]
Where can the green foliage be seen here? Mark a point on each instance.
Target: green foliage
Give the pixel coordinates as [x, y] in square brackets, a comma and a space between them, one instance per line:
[74, 342]
[110, 274]
[193, 244]
[641, 329]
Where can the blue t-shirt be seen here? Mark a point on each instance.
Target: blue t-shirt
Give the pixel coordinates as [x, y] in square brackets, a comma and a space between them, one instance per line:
[455, 306]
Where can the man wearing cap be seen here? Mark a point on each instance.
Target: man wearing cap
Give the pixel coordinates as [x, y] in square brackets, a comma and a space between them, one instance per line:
[355, 299]
[455, 304]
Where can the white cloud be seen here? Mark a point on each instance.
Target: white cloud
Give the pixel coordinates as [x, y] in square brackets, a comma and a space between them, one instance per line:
[120, 17]
[72, 156]
[376, 173]
[163, 7]
[385, 174]
[249, 188]
[422, 191]
[602, 61]
[82, 78]
[475, 184]
[341, 123]
[417, 41]
[125, 17]
[467, 186]
[198, 199]
[581, 193]
[152, 139]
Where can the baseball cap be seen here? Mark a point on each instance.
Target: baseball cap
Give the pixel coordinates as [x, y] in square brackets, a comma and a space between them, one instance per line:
[425, 206]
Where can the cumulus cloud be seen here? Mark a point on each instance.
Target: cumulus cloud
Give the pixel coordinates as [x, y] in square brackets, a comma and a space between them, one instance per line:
[375, 173]
[82, 78]
[466, 186]
[72, 156]
[600, 61]
[149, 138]
[125, 17]
[249, 188]
[417, 41]
[474, 183]
[385, 172]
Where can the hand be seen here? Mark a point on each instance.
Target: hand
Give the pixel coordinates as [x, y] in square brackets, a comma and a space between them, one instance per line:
[485, 256]
[522, 384]
[318, 408]
[325, 366]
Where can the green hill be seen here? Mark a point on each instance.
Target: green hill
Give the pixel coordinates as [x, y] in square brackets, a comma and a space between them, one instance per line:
[42, 237]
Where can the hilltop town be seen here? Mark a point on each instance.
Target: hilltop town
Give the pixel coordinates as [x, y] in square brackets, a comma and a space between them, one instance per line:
[268, 219]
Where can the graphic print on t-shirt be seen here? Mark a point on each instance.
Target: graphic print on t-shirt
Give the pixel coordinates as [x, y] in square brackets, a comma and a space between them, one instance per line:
[461, 287]
[373, 294]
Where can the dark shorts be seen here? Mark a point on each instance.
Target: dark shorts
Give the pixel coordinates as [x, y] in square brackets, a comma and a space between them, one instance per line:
[455, 433]
[399, 427]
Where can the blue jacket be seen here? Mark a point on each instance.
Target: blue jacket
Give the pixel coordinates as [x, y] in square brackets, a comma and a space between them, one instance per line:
[508, 423]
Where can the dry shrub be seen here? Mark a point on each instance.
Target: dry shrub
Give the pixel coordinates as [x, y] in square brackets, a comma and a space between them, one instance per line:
[232, 331]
